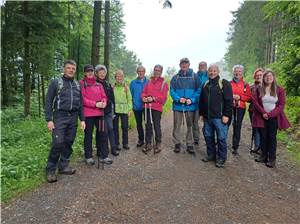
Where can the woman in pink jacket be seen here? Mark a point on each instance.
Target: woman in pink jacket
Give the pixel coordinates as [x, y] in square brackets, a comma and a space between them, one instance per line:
[154, 97]
[268, 116]
[94, 102]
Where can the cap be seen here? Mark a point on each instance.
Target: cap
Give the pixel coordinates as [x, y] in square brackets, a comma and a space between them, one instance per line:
[184, 60]
[87, 68]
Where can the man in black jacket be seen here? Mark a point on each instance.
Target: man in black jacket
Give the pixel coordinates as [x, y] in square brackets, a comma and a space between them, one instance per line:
[216, 109]
[63, 106]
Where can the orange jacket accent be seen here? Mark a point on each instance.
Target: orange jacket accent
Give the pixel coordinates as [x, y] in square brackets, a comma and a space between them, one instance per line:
[243, 90]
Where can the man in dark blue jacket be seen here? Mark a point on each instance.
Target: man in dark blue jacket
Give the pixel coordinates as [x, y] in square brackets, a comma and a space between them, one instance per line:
[185, 91]
[136, 88]
[62, 109]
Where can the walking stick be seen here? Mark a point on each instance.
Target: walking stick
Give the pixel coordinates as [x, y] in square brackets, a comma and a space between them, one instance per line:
[152, 125]
[252, 139]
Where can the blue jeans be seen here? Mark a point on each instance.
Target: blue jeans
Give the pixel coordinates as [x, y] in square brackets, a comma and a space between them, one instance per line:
[255, 133]
[110, 129]
[212, 126]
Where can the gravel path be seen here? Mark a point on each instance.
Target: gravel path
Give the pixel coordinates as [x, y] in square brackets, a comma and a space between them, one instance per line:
[167, 188]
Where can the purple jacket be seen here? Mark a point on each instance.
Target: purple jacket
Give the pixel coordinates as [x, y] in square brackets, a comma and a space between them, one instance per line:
[258, 120]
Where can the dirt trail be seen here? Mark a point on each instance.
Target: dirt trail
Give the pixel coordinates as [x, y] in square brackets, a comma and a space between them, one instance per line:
[167, 188]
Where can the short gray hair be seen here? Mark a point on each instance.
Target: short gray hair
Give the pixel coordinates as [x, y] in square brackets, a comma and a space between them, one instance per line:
[214, 66]
[237, 66]
[140, 67]
[100, 67]
[159, 66]
[70, 62]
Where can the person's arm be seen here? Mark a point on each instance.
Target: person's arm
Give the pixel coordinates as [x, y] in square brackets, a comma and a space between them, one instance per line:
[51, 93]
[279, 105]
[85, 100]
[163, 95]
[195, 96]
[174, 95]
[257, 106]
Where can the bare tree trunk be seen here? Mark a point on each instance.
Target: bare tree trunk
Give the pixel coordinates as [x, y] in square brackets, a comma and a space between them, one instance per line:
[69, 29]
[4, 67]
[39, 93]
[107, 36]
[43, 90]
[96, 33]
[78, 57]
[26, 64]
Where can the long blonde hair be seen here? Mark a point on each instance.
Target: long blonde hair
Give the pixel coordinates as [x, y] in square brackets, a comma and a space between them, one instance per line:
[273, 85]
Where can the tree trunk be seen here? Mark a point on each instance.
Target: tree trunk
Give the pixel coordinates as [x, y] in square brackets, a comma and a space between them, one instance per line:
[43, 90]
[69, 29]
[4, 67]
[39, 94]
[96, 33]
[26, 64]
[78, 57]
[106, 35]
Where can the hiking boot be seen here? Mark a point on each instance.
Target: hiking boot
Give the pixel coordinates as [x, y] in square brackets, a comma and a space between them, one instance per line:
[234, 151]
[115, 152]
[126, 147]
[90, 161]
[190, 149]
[157, 148]
[220, 163]
[196, 142]
[177, 148]
[147, 148]
[106, 161]
[67, 171]
[271, 164]
[209, 159]
[119, 148]
[256, 151]
[140, 144]
[261, 159]
[51, 177]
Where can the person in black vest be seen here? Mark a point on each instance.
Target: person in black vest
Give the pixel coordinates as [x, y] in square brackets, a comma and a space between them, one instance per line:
[62, 109]
[216, 108]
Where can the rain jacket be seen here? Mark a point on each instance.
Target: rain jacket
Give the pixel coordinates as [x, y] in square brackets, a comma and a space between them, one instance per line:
[123, 100]
[136, 87]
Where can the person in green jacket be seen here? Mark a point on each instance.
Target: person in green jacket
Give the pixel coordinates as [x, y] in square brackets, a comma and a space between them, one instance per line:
[123, 107]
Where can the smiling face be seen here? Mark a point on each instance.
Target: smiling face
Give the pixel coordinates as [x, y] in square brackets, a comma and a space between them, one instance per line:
[69, 70]
[119, 76]
[238, 73]
[213, 72]
[268, 78]
[141, 72]
[157, 72]
[89, 74]
[184, 66]
[258, 76]
[101, 74]
[202, 67]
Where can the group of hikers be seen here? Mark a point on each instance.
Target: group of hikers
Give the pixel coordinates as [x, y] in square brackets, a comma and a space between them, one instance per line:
[196, 96]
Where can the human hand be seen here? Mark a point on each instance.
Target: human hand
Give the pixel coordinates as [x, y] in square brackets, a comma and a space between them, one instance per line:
[182, 100]
[149, 99]
[82, 125]
[129, 113]
[145, 99]
[188, 101]
[99, 104]
[265, 116]
[225, 119]
[50, 125]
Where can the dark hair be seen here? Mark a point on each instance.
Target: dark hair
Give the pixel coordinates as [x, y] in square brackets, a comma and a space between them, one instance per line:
[273, 85]
[70, 62]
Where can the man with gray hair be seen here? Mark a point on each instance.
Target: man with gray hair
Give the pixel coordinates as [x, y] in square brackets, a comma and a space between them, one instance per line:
[136, 88]
[216, 108]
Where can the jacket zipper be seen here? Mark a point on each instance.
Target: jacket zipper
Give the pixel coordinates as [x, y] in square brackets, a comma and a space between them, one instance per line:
[71, 97]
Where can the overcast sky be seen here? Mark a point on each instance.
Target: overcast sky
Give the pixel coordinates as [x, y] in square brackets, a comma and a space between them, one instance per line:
[192, 28]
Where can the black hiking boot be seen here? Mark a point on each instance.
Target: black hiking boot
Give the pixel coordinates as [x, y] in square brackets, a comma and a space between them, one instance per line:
[220, 163]
[126, 147]
[139, 144]
[190, 149]
[261, 159]
[271, 163]
[234, 151]
[177, 148]
[51, 177]
[147, 148]
[209, 159]
[67, 171]
[115, 152]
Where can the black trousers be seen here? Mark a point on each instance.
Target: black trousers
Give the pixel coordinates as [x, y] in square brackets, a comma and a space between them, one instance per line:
[238, 116]
[138, 114]
[63, 137]
[124, 127]
[101, 137]
[268, 139]
[156, 117]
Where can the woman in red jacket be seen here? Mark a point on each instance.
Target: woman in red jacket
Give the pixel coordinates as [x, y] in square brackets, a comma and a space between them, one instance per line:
[241, 95]
[154, 97]
[268, 116]
[94, 102]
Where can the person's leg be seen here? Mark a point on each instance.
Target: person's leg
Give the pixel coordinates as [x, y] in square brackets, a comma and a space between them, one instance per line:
[263, 135]
[124, 126]
[101, 138]
[196, 131]
[272, 128]
[157, 127]
[222, 130]
[70, 134]
[148, 125]
[58, 136]
[88, 137]
[189, 115]
[177, 122]
[239, 113]
[209, 136]
[110, 133]
[116, 129]
[138, 114]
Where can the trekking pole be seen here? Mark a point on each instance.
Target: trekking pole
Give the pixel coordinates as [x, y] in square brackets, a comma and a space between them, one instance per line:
[152, 125]
[252, 139]
[183, 120]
